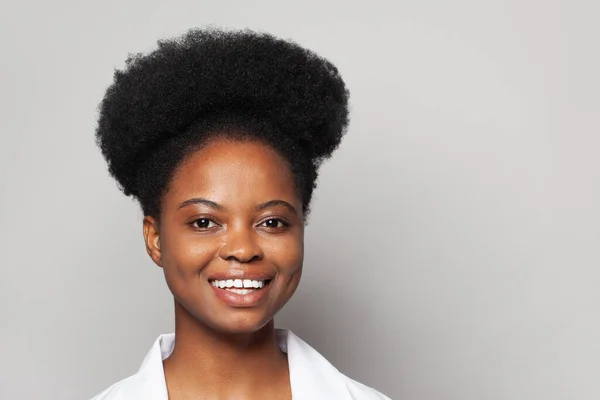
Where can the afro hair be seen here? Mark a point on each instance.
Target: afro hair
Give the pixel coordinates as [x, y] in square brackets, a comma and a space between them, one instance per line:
[169, 102]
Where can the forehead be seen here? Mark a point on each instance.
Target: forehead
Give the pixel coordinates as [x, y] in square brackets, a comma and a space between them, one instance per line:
[234, 173]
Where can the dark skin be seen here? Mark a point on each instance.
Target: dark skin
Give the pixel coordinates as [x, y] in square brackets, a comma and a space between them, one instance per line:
[231, 209]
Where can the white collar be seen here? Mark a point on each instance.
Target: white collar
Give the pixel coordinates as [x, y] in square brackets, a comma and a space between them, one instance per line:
[312, 377]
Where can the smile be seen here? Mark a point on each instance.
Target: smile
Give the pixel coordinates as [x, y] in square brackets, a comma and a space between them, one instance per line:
[241, 292]
[232, 284]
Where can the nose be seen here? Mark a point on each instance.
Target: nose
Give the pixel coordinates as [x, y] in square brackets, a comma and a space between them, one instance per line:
[241, 245]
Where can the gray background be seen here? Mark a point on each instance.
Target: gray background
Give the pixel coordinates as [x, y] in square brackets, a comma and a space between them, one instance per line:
[453, 250]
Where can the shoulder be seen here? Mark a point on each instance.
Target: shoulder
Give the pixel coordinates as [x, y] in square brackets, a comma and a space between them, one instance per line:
[149, 381]
[128, 388]
[314, 377]
[359, 391]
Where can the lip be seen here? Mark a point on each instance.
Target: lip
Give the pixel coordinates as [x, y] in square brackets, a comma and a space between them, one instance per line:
[241, 300]
[235, 273]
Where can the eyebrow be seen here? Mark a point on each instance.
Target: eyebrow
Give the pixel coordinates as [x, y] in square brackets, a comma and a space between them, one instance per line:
[219, 207]
[200, 200]
[273, 203]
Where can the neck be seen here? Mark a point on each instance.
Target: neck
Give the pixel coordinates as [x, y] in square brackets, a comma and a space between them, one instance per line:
[204, 360]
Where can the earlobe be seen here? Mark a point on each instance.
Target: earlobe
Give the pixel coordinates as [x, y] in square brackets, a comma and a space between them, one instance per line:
[152, 239]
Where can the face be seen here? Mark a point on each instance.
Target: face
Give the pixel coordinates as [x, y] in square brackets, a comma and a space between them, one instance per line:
[231, 235]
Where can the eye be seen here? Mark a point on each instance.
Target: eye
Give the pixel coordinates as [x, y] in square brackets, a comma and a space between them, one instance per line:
[204, 223]
[274, 223]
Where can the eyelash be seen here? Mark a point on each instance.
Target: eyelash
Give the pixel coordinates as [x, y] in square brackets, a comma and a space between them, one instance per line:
[283, 222]
[193, 223]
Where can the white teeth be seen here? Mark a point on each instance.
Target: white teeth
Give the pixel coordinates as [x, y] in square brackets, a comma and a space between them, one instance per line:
[238, 283]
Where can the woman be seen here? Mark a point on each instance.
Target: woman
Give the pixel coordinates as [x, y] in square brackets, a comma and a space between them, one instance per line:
[219, 135]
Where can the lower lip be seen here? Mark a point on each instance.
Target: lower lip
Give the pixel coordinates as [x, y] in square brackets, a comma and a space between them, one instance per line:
[241, 300]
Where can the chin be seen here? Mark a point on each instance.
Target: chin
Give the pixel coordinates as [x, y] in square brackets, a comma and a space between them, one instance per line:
[223, 318]
[239, 325]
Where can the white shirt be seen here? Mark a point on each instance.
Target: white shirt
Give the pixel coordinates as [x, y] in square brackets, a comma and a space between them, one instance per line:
[312, 377]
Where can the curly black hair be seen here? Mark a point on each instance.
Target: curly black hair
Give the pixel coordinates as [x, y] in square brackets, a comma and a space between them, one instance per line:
[210, 82]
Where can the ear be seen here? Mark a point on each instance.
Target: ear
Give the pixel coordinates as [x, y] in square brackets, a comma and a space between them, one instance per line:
[152, 239]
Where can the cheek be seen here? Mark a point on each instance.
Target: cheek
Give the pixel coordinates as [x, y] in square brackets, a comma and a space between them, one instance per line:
[185, 256]
[287, 255]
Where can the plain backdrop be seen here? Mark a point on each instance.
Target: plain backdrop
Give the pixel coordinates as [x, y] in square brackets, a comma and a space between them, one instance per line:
[453, 251]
